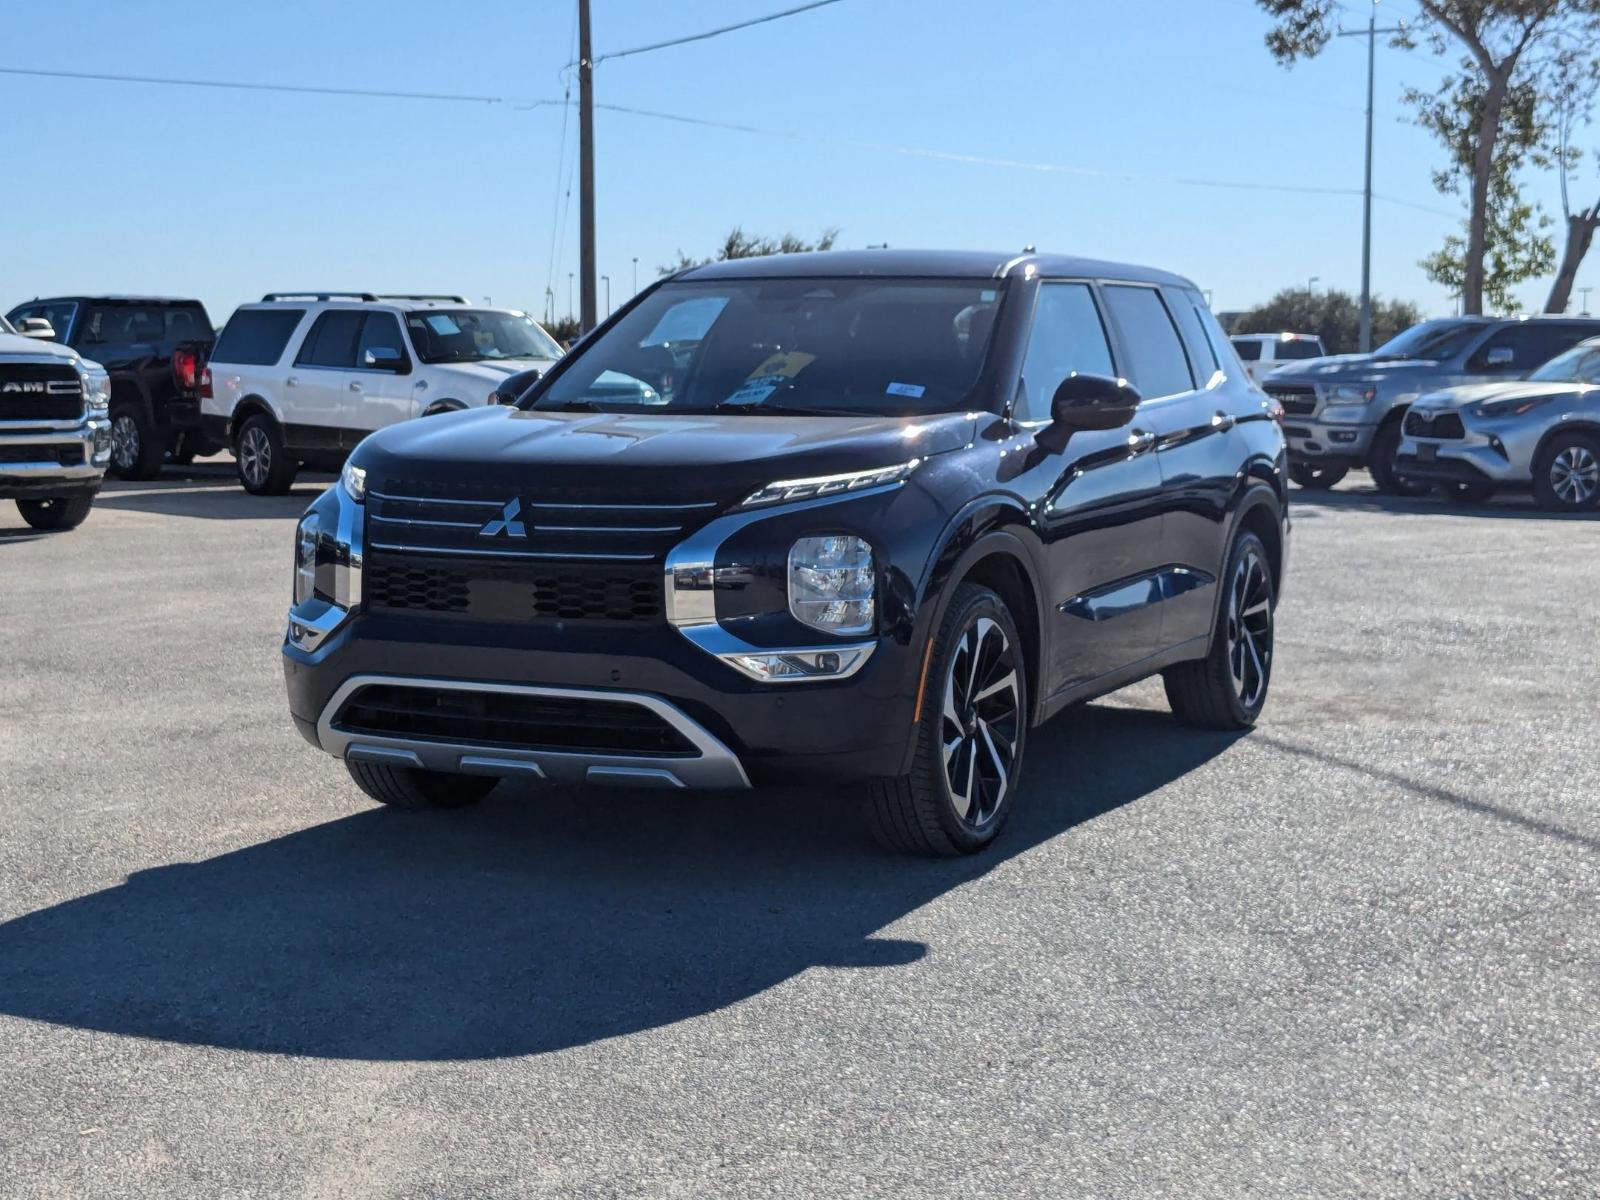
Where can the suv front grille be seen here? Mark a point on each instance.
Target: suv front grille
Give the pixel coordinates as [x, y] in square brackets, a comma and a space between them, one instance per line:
[40, 392]
[1443, 425]
[1298, 399]
[556, 723]
[506, 591]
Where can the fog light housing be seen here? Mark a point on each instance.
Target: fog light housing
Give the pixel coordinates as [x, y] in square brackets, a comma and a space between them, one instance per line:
[832, 581]
[1342, 436]
[786, 666]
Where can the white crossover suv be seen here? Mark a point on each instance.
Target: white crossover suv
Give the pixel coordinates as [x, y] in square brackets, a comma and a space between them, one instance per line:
[299, 378]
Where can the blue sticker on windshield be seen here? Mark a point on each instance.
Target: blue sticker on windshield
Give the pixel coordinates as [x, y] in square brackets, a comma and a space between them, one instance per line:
[914, 390]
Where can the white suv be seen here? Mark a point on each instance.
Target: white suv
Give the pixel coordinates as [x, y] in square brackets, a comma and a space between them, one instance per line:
[1263, 353]
[300, 378]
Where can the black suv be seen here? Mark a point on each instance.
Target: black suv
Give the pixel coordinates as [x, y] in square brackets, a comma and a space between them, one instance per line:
[866, 516]
[155, 349]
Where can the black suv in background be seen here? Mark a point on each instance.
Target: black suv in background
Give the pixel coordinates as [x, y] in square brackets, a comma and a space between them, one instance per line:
[154, 349]
[869, 516]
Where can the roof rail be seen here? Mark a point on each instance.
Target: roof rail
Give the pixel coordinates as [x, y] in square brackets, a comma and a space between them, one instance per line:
[422, 296]
[270, 296]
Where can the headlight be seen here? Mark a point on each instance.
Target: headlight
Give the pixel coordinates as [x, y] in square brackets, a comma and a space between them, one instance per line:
[829, 485]
[353, 480]
[307, 539]
[1351, 393]
[1511, 408]
[831, 583]
[1344, 414]
[96, 389]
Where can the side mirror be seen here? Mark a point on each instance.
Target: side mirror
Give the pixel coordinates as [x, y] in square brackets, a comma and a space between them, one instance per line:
[37, 327]
[385, 358]
[1088, 402]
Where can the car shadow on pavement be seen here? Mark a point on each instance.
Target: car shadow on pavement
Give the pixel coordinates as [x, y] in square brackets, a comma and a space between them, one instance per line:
[1511, 506]
[535, 922]
[210, 491]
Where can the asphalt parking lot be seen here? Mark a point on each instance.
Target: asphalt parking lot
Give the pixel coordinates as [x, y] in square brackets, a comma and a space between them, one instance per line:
[1354, 953]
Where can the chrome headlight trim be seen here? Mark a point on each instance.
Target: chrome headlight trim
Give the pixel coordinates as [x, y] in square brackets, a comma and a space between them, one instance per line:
[828, 485]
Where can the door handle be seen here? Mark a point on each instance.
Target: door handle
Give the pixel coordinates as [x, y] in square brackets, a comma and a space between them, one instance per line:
[292, 381]
[355, 385]
[1223, 422]
[1140, 440]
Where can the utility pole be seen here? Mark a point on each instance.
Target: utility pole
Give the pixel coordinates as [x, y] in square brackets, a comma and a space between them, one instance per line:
[635, 274]
[1371, 34]
[586, 168]
[606, 279]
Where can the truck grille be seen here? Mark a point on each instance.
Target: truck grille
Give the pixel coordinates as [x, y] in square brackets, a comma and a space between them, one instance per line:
[558, 723]
[1298, 399]
[520, 558]
[40, 392]
[1444, 425]
[498, 591]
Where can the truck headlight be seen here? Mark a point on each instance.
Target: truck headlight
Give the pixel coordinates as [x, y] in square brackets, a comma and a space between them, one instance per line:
[1345, 414]
[307, 541]
[354, 481]
[831, 584]
[96, 389]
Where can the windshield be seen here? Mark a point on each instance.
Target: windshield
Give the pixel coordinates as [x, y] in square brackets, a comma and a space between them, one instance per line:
[1581, 364]
[882, 347]
[1434, 341]
[455, 335]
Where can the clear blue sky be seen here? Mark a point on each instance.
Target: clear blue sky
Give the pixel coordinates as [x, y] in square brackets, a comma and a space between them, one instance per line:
[226, 194]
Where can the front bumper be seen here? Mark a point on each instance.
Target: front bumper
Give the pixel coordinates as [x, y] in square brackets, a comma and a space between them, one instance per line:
[54, 462]
[1321, 443]
[1479, 456]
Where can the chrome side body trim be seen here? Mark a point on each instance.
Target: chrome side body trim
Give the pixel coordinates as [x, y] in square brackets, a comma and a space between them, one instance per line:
[715, 766]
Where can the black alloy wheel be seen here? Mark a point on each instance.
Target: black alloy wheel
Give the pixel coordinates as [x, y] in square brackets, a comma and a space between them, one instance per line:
[1228, 687]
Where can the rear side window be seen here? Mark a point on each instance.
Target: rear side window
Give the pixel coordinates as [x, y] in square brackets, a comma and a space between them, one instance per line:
[187, 325]
[1068, 338]
[1186, 308]
[1248, 349]
[332, 340]
[1296, 349]
[256, 336]
[123, 324]
[1156, 365]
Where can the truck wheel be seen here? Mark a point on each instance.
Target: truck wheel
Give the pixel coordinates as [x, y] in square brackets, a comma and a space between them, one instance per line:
[1227, 688]
[1316, 478]
[408, 787]
[1566, 473]
[136, 449]
[60, 512]
[1385, 449]
[265, 468]
[970, 737]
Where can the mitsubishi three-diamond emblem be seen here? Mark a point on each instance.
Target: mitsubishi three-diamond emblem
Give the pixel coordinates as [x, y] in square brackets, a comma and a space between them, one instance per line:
[506, 522]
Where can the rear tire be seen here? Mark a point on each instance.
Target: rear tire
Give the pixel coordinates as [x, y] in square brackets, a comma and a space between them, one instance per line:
[1315, 478]
[970, 737]
[59, 512]
[1385, 449]
[136, 449]
[409, 787]
[1228, 687]
[265, 467]
[1566, 473]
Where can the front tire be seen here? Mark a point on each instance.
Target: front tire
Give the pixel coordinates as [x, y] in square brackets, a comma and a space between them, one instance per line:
[1316, 478]
[136, 449]
[59, 512]
[1228, 687]
[1566, 473]
[1385, 449]
[265, 467]
[970, 736]
[411, 788]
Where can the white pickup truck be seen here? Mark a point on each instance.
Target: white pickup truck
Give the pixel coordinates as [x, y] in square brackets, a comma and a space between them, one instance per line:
[1264, 353]
[55, 439]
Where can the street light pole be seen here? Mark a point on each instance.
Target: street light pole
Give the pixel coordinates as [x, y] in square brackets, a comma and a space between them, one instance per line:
[635, 274]
[1311, 284]
[606, 279]
[1584, 292]
[586, 167]
[1371, 34]
[570, 310]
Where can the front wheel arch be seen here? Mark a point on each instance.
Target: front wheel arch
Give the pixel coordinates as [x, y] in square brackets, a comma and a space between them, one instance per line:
[444, 406]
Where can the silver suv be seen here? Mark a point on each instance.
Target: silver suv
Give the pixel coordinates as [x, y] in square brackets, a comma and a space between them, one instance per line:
[1347, 411]
[1545, 431]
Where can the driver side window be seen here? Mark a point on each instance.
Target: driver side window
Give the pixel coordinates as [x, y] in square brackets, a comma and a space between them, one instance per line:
[1069, 337]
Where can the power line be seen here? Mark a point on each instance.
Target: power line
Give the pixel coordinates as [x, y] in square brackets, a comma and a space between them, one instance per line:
[107, 77]
[711, 33]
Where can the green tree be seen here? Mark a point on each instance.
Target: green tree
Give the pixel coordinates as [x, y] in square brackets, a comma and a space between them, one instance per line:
[1510, 49]
[1333, 316]
[739, 244]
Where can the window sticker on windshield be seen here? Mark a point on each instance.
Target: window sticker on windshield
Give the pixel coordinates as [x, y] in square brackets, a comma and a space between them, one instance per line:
[771, 375]
[442, 323]
[914, 390]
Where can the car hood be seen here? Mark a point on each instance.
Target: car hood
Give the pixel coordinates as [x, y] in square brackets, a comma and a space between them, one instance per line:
[15, 343]
[483, 377]
[639, 458]
[1350, 368]
[1471, 393]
